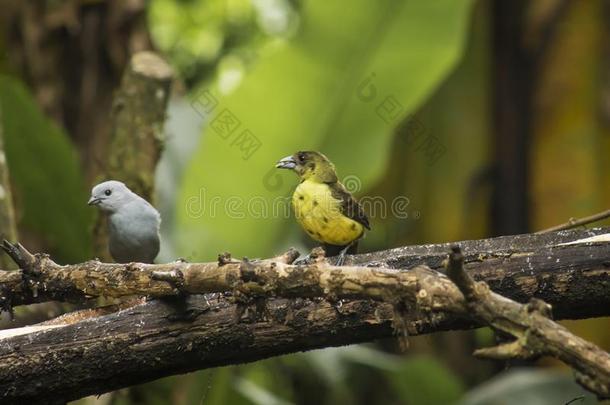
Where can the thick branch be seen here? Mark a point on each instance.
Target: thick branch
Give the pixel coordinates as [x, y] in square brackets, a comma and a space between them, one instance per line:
[561, 268]
[535, 334]
[573, 277]
[184, 333]
[161, 338]
[139, 111]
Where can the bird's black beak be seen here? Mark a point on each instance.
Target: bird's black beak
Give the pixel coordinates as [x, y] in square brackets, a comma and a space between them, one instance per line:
[94, 201]
[287, 163]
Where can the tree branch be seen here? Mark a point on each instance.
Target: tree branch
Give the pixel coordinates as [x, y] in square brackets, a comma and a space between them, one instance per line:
[138, 114]
[183, 332]
[573, 277]
[574, 223]
[535, 334]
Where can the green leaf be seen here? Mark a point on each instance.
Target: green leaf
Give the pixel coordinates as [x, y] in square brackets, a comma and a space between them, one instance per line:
[215, 387]
[51, 196]
[312, 93]
[257, 394]
[423, 380]
[529, 386]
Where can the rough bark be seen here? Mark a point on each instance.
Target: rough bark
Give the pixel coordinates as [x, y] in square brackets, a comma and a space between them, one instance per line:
[548, 266]
[72, 55]
[535, 334]
[138, 116]
[161, 338]
[182, 333]
[572, 277]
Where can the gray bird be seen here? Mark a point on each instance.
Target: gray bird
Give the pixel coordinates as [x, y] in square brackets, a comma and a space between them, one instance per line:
[133, 224]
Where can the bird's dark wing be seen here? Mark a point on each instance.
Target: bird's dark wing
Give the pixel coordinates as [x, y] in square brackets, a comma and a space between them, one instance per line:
[349, 206]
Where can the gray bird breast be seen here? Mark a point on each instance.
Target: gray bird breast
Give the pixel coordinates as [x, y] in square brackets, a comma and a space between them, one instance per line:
[134, 234]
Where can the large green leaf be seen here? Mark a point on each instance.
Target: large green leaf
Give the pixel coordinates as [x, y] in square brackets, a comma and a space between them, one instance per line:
[529, 386]
[51, 196]
[325, 89]
[424, 380]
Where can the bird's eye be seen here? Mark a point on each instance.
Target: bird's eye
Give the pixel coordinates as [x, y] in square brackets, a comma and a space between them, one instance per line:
[108, 192]
[301, 156]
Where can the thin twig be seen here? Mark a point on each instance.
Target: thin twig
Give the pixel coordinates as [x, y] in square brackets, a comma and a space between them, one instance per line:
[573, 222]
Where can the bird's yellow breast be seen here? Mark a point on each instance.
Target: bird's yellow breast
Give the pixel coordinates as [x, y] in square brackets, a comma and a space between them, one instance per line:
[319, 213]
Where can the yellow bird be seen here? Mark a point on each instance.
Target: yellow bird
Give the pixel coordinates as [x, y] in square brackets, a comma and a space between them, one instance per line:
[323, 207]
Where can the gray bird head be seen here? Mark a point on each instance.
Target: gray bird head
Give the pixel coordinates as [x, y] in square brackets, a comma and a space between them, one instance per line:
[110, 196]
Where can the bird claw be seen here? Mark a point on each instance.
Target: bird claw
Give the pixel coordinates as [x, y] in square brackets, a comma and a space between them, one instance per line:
[305, 260]
[341, 256]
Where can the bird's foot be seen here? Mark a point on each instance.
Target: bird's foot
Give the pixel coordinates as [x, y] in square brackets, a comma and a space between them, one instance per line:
[341, 256]
[305, 260]
[340, 259]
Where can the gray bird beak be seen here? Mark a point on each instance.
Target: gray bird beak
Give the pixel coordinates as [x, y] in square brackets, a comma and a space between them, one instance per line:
[287, 163]
[94, 201]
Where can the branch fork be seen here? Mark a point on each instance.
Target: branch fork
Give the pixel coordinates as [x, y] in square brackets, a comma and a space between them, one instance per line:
[534, 332]
[275, 306]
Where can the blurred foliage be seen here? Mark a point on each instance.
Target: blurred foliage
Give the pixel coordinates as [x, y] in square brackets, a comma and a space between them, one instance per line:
[441, 153]
[350, 84]
[567, 179]
[321, 87]
[424, 380]
[51, 197]
[529, 386]
[399, 99]
[571, 127]
[197, 35]
[327, 376]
